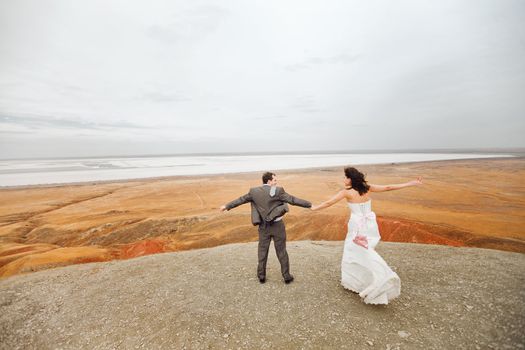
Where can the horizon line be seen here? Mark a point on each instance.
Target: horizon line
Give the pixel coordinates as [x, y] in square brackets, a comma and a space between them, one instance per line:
[514, 150]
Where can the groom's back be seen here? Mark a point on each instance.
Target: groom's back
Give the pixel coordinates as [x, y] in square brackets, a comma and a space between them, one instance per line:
[264, 203]
[261, 196]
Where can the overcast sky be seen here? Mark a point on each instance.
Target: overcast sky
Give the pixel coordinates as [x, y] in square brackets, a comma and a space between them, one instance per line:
[134, 77]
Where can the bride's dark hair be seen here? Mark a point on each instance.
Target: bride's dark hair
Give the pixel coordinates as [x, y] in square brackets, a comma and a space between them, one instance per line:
[358, 180]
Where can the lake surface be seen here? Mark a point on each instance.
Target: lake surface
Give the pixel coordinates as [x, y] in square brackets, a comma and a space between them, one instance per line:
[57, 171]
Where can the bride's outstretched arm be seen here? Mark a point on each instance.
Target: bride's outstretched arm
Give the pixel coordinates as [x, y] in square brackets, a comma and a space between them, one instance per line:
[340, 195]
[384, 188]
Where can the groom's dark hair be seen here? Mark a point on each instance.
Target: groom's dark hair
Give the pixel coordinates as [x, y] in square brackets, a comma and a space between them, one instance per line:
[267, 176]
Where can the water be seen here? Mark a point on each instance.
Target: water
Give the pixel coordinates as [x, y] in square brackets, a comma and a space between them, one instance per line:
[49, 171]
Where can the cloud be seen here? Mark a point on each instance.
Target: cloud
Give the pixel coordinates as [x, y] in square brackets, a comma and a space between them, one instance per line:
[69, 89]
[271, 117]
[164, 97]
[190, 25]
[43, 122]
[306, 104]
[165, 34]
[313, 61]
[296, 67]
[15, 132]
[339, 59]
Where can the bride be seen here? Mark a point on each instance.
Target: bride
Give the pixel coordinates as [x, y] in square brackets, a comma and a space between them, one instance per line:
[362, 269]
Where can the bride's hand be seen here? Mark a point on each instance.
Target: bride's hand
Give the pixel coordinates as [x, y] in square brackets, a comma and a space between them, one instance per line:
[314, 207]
[417, 182]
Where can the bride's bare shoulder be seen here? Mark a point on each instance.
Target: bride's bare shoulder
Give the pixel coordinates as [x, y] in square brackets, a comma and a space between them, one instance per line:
[354, 197]
[351, 194]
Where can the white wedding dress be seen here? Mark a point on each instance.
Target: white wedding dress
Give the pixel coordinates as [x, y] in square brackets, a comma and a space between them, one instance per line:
[363, 270]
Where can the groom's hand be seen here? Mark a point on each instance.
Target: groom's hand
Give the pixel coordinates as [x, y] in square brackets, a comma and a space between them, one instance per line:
[222, 208]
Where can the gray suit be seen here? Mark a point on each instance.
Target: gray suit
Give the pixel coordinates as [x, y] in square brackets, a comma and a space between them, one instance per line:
[265, 210]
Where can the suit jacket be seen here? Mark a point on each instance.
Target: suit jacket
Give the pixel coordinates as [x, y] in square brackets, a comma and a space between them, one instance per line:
[266, 207]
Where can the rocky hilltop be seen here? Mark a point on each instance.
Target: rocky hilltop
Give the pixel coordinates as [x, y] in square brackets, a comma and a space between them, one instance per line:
[452, 298]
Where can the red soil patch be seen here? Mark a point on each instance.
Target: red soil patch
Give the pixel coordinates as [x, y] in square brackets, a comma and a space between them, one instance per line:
[402, 230]
[141, 248]
[395, 230]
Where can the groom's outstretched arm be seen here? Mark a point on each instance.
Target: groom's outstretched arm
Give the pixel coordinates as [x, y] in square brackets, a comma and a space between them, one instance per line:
[239, 201]
[285, 197]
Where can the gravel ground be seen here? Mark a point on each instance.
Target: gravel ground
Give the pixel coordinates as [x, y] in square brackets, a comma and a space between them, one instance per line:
[451, 298]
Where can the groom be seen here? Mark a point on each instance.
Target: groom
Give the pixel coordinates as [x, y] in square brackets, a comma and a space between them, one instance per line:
[269, 204]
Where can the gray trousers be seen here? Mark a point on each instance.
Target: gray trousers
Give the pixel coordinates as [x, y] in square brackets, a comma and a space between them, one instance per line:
[277, 231]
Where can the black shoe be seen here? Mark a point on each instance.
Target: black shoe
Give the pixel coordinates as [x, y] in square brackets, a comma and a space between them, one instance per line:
[262, 280]
[289, 280]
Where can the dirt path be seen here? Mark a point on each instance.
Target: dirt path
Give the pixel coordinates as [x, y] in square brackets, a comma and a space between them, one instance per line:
[452, 298]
